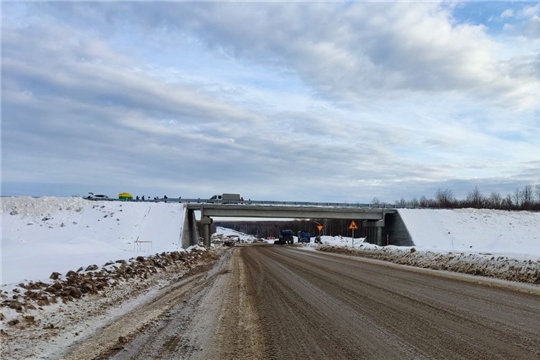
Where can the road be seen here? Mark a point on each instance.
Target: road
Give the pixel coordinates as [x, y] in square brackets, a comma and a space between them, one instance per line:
[277, 302]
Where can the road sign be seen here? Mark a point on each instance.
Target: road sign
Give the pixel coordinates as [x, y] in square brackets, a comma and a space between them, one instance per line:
[353, 226]
[319, 227]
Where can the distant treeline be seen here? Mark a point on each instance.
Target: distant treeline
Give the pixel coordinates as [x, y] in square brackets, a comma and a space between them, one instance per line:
[527, 198]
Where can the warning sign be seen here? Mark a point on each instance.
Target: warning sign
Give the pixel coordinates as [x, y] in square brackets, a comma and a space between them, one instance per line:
[353, 226]
[319, 227]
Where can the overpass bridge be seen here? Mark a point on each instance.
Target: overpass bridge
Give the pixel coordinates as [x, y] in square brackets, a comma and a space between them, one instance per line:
[381, 221]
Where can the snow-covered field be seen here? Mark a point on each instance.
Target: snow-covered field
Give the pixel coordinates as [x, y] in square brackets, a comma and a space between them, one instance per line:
[514, 234]
[46, 234]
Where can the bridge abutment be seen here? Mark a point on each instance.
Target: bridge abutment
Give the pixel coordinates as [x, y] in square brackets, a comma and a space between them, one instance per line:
[190, 233]
[206, 223]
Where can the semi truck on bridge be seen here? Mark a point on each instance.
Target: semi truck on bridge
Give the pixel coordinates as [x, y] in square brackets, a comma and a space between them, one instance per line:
[226, 199]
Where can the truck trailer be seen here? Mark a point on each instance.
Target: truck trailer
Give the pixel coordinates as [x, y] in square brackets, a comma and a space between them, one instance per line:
[226, 199]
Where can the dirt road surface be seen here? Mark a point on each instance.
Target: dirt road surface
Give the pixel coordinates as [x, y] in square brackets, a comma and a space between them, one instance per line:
[277, 302]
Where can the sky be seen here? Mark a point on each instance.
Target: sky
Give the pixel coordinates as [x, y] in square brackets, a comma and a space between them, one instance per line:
[304, 101]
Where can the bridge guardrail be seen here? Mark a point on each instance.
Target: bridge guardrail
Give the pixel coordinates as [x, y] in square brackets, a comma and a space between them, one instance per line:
[255, 202]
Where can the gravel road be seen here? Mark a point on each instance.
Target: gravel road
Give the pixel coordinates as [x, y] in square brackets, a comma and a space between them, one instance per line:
[277, 302]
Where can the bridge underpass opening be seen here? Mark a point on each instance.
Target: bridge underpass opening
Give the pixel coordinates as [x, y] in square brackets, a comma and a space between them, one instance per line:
[369, 218]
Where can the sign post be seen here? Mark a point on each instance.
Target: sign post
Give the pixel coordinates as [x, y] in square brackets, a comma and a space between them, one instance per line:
[353, 227]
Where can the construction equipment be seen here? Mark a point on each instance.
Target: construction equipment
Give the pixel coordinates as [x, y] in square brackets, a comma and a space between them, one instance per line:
[304, 237]
[285, 237]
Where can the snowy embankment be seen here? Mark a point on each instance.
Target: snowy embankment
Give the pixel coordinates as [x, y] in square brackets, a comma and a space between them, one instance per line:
[514, 234]
[498, 244]
[70, 265]
[51, 234]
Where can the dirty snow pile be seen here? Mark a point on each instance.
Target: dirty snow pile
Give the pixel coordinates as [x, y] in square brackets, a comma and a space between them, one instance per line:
[494, 243]
[223, 234]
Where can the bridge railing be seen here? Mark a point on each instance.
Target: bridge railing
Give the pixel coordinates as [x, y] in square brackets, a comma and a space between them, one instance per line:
[253, 202]
[269, 202]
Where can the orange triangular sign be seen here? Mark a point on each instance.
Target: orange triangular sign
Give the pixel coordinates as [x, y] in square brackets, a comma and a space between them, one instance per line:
[319, 227]
[353, 226]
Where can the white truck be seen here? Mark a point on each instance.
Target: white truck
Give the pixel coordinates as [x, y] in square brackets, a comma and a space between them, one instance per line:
[226, 199]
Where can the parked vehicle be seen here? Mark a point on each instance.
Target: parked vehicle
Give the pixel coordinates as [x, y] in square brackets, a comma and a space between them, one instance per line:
[304, 237]
[225, 199]
[91, 196]
[285, 237]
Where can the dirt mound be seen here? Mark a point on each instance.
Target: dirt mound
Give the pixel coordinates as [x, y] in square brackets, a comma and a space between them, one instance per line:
[93, 279]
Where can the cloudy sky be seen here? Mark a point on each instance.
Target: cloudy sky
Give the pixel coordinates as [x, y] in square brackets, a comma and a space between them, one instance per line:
[326, 101]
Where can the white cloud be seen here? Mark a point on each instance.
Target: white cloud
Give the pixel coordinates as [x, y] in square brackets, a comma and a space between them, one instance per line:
[530, 11]
[368, 50]
[532, 29]
[508, 13]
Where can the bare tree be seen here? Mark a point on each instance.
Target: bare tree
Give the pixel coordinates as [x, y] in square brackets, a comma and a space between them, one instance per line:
[517, 197]
[401, 203]
[495, 200]
[376, 202]
[527, 197]
[507, 202]
[475, 198]
[445, 198]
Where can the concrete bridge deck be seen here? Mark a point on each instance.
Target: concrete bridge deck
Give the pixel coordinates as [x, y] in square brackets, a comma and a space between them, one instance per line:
[292, 212]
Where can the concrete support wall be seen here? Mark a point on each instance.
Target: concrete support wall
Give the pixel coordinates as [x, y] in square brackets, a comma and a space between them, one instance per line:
[374, 231]
[207, 229]
[190, 234]
[396, 230]
[390, 231]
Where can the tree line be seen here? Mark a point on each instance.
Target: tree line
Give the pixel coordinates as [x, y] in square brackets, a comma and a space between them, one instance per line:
[526, 198]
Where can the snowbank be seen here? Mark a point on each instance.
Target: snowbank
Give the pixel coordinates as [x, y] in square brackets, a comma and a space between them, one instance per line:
[499, 267]
[46, 234]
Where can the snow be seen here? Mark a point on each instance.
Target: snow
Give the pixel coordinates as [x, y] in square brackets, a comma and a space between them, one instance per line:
[46, 234]
[225, 232]
[515, 234]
